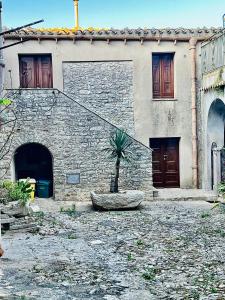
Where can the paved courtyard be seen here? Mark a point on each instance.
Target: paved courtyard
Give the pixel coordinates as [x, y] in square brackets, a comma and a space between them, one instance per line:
[165, 250]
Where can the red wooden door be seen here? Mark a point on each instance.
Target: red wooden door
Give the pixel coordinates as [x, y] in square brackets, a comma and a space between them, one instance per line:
[165, 162]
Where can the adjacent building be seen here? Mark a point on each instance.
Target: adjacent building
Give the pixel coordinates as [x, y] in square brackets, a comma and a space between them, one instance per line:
[212, 111]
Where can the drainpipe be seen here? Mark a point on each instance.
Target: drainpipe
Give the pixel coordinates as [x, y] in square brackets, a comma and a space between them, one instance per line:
[2, 65]
[192, 49]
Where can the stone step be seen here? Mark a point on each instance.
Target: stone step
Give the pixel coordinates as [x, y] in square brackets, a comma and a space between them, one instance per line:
[185, 195]
[6, 221]
[18, 212]
[23, 226]
[200, 198]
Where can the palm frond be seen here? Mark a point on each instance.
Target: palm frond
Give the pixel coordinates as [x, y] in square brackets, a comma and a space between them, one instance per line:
[118, 146]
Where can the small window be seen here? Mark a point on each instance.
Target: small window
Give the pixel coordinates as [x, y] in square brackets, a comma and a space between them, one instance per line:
[163, 75]
[35, 71]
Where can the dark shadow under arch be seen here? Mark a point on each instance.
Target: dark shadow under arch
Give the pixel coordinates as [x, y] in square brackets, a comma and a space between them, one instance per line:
[35, 161]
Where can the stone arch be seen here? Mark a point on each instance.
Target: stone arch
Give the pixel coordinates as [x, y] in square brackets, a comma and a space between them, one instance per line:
[34, 160]
[215, 136]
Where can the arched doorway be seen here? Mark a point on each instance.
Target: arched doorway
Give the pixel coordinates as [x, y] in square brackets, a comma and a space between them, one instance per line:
[215, 141]
[34, 160]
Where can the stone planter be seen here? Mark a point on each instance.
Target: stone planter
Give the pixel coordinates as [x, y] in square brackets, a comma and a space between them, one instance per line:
[13, 209]
[116, 201]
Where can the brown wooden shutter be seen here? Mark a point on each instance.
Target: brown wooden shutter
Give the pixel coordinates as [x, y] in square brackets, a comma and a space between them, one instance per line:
[156, 75]
[44, 72]
[167, 80]
[27, 72]
[163, 75]
[36, 71]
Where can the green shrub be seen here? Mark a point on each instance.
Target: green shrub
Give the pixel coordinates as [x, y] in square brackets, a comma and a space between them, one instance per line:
[15, 194]
[7, 184]
[25, 186]
[18, 191]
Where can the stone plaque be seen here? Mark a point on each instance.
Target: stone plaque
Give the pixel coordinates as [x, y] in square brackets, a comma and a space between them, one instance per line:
[73, 178]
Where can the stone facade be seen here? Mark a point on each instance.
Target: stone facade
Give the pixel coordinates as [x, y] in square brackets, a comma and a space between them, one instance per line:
[104, 87]
[75, 136]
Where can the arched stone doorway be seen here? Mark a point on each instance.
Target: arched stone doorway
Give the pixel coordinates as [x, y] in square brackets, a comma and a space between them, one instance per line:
[215, 142]
[34, 160]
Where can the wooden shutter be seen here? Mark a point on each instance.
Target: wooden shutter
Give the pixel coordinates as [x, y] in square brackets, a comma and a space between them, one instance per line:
[44, 75]
[163, 75]
[36, 71]
[156, 75]
[27, 72]
[167, 80]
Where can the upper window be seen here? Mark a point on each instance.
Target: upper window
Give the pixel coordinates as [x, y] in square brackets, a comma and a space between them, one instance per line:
[163, 75]
[35, 71]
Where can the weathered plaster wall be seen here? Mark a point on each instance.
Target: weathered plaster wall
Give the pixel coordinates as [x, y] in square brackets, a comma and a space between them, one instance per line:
[166, 118]
[75, 137]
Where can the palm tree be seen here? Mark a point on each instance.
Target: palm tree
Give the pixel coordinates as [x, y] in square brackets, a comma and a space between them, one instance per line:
[118, 150]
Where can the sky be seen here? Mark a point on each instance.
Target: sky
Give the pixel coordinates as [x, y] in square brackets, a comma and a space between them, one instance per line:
[116, 13]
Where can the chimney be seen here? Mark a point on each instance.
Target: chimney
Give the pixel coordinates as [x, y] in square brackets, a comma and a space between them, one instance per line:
[76, 10]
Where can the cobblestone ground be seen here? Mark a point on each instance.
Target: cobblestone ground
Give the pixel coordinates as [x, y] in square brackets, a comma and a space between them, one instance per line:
[166, 250]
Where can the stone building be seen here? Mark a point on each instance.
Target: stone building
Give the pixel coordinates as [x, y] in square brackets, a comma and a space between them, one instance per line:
[72, 87]
[212, 111]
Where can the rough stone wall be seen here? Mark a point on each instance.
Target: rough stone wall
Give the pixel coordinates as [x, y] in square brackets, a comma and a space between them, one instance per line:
[75, 137]
[105, 87]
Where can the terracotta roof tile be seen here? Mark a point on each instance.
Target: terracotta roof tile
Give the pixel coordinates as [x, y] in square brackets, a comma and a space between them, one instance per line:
[114, 33]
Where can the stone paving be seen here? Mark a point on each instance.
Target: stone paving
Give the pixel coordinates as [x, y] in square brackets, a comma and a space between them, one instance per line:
[165, 250]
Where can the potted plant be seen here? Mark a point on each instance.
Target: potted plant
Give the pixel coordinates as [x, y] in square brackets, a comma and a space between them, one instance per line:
[119, 151]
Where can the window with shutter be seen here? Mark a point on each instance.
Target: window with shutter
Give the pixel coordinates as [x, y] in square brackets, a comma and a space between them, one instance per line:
[163, 75]
[35, 71]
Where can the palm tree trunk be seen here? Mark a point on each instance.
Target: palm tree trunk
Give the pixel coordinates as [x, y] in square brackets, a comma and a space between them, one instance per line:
[116, 183]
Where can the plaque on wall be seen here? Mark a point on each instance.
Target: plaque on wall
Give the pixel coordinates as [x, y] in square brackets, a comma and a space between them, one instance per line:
[73, 178]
